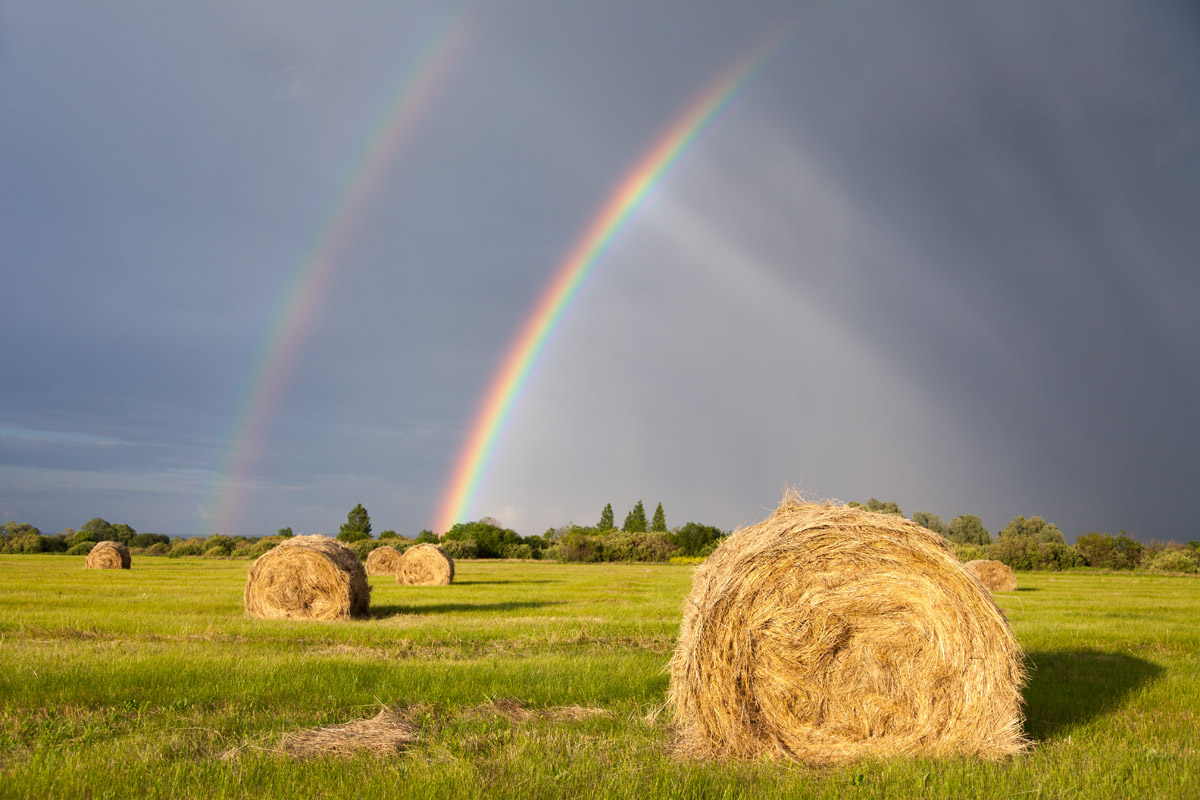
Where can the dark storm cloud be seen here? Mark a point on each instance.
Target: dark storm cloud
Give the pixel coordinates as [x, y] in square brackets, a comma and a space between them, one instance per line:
[938, 252]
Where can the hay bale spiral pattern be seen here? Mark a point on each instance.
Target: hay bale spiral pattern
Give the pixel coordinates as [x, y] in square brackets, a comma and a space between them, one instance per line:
[108, 555]
[828, 633]
[308, 577]
[383, 561]
[425, 564]
[995, 575]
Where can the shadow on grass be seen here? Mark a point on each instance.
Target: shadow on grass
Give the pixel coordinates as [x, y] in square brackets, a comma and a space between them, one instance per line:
[1073, 687]
[514, 582]
[1027, 589]
[450, 608]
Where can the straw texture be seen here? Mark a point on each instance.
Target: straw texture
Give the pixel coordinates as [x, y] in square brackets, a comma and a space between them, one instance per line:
[108, 555]
[827, 634]
[308, 577]
[995, 575]
[383, 561]
[425, 564]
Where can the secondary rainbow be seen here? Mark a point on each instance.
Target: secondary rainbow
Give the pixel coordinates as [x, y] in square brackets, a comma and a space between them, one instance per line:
[418, 85]
[517, 365]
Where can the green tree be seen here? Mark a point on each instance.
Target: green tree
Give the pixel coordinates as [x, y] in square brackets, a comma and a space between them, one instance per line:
[883, 507]
[927, 519]
[388, 534]
[286, 533]
[1111, 552]
[635, 520]
[357, 527]
[659, 523]
[427, 535]
[606, 518]
[694, 539]
[95, 530]
[968, 529]
[1035, 528]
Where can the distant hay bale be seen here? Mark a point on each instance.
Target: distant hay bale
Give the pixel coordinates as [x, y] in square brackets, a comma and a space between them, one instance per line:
[995, 575]
[425, 564]
[307, 577]
[829, 633]
[383, 561]
[108, 555]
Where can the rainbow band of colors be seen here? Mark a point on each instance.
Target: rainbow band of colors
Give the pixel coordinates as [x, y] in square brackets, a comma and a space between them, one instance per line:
[485, 431]
[418, 85]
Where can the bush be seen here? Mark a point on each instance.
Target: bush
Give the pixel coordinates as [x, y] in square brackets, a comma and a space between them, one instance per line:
[459, 548]
[363, 547]
[1111, 552]
[686, 560]
[489, 538]
[693, 539]
[80, 549]
[578, 547]
[971, 552]
[148, 539]
[1175, 561]
[1026, 552]
[158, 549]
[187, 547]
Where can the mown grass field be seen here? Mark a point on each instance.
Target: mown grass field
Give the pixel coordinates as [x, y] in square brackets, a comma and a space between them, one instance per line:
[136, 683]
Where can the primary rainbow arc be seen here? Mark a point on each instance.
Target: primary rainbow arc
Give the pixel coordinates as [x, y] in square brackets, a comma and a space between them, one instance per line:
[472, 463]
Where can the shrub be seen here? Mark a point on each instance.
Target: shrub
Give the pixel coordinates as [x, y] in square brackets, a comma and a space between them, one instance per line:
[522, 550]
[490, 539]
[1175, 561]
[970, 552]
[693, 539]
[148, 539]
[1026, 552]
[1111, 552]
[459, 548]
[187, 547]
[158, 549]
[216, 551]
[363, 547]
[578, 547]
[80, 549]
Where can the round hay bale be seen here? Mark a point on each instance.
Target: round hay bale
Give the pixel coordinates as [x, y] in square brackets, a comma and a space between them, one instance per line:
[308, 577]
[828, 633]
[383, 561]
[425, 564]
[108, 555]
[995, 575]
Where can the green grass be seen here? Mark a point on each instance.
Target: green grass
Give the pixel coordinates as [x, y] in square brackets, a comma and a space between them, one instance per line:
[134, 683]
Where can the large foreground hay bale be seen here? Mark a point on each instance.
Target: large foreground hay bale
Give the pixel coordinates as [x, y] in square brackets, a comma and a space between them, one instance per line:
[108, 555]
[828, 633]
[425, 564]
[995, 575]
[308, 577]
[383, 561]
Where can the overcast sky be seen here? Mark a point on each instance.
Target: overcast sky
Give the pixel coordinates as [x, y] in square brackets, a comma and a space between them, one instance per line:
[942, 253]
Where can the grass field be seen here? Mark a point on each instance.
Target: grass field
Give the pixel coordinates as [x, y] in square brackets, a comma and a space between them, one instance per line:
[137, 683]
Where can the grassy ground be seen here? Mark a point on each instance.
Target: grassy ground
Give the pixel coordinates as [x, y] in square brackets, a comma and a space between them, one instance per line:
[136, 683]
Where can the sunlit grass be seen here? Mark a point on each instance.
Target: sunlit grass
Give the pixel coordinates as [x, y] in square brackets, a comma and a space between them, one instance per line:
[134, 683]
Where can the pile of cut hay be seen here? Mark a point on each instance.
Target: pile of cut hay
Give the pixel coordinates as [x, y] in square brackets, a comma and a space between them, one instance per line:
[995, 575]
[308, 577]
[425, 565]
[387, 733]
[108, 555]
[827, 634]
[383, 561]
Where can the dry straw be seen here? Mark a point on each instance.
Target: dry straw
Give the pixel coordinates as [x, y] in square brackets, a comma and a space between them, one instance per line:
[308, 577]
[425, 565]
[828, 633]
[995, 575]
[108, 555]
[383, 561]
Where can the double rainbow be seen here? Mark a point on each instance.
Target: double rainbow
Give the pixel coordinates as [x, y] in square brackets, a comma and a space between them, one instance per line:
[472, 463]
[418, 85]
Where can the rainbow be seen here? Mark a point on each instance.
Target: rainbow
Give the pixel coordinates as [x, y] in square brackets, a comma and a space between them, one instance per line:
[418, 85]
[521, 357]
